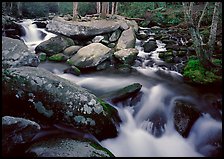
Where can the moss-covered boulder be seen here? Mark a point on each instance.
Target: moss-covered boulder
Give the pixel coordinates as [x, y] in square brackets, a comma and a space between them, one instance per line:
[123, 93]
[40, 95]
[58, 57]
[15, 133]
[127, 56]
[71, 50]
[67, 147]
[15, 53]
[54, 45]
[150, 46]
[185, 115]
[42, 56]
[73, 70]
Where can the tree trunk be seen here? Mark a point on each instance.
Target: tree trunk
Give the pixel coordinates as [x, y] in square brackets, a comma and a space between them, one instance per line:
[108, 7]
[98, 7]
[75, 10]
[116, 7]
[212, 37]
[104, 10]
[113, 5]
[19, 11]
[202, 15]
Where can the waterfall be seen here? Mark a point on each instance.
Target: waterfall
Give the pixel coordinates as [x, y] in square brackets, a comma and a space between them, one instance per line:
[33, 35]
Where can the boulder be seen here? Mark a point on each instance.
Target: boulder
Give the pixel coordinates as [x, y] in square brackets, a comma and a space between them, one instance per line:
[97, 39]
[127, 56]
[126, 40]
[73, 70]
[54, 45]
[150, 46]
[69, 51]
[40, 95]
[115, 35]
[82, 29]
[67, 147]
[133, 24]
[42, 56]
[90, 56]
[15, 53]
[185, 115]
[123, 93]
[16, 132]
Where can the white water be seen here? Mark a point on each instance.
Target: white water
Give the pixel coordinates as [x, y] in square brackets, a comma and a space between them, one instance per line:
[137, 132]
[32, 36]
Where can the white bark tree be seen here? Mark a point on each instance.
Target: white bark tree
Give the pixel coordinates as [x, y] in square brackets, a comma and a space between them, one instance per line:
[75, 10]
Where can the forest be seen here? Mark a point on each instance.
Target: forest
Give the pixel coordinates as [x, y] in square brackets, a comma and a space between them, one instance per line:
[112, 79]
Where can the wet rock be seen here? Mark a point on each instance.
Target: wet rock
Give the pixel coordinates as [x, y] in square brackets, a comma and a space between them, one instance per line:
[115, 35]
[69, 51]
[126, 40]
[49, 99]
[15, 133]
[41, 24]
[90, 56]
[58, 57]
[127, 56]
[73, 70]
[67, 147]
[97, 39]
[16, 54]
[54, 45]
[150, 46]
[123, 93]
[185, 115]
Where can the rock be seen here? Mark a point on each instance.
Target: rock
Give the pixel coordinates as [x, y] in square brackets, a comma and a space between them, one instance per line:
[126, 40]
[67, 147]
[54, 45]
[124, 68]
[73, 70]
[133, 24]
[123, 93]
[185, 115]
[49, 98]
[90, 55]
[104, 65]
[150, 46]
[40, 24]
[15, 133]
[169, 41]
[69, 51]
[127, 56]
[82, 29]
[58, 57]
[42, 56]
[97, 39]
[115, 35]
[142, 36]
[124, 25]
[15, 54]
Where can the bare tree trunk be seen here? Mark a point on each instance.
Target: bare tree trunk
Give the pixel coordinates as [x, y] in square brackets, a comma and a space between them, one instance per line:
[98, 7]
[202, 15]
[75, 10]
[108, 7]
[19, 9]
[116, 7]
[113, 5]
[212, 37]
[104, 10]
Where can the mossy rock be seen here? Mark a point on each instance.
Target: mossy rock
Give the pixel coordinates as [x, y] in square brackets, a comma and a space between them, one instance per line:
[58, 57]
[123, 93]
[73, 70]
[42, 56]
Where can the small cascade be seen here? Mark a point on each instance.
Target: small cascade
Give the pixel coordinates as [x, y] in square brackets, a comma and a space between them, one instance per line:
[33, 35]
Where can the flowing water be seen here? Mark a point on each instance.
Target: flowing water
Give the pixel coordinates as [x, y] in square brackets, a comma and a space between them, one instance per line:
[147, 127]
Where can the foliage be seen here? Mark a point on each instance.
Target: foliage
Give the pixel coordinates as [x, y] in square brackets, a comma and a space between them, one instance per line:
[198, 74]
[86, 8]
[34, 9]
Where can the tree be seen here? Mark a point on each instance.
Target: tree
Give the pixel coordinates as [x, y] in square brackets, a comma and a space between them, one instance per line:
[75, 10]
[98, 7]
[104, 9]
[202, 50]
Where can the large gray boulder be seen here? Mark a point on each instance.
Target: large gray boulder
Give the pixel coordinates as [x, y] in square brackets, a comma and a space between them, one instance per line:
[54, 45]
[82, 29]
[67, 147]
[150, 46]
[41, 95]
[90, 55]
[126, 40]
[127, 56]
[15, 132]
[15, 53]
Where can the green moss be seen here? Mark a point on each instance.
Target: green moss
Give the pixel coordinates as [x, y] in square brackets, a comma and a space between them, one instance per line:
[70, 62]
[42, 57]
[106, 107]
[198, 74]
[57, 57]
[99, 147]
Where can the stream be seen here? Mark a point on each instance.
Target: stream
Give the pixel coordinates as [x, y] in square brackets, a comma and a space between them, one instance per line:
[147, 128]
